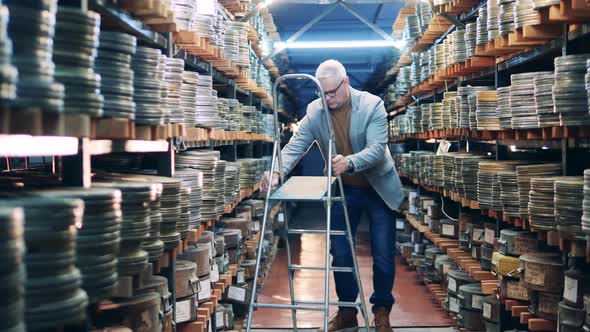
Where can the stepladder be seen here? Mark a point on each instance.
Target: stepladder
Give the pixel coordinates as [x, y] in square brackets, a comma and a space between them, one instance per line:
[329, 190]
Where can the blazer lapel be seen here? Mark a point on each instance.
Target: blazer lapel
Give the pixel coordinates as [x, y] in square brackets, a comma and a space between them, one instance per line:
[354, 120]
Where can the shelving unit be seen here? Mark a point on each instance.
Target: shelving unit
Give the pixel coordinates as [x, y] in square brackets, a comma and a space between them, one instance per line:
[531, 48]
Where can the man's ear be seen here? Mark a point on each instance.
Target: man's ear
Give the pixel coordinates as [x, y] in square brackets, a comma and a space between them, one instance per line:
[347, 80]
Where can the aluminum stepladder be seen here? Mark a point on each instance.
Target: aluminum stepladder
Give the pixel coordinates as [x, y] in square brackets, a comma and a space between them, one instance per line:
[317, 189]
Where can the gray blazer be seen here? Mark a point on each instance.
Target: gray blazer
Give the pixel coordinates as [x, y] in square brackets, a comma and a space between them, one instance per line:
[368, 136]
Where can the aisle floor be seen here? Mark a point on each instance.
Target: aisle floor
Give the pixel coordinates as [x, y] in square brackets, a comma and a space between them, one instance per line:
[413, 307]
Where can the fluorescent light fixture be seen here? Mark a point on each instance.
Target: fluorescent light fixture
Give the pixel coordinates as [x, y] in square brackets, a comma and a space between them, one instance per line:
[513, 148]
[545, 148]
[338, 44]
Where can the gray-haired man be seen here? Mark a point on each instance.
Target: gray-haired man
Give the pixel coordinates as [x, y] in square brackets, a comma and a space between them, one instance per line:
[371, 184]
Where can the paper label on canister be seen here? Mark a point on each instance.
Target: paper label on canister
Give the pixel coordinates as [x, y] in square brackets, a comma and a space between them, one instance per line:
[417, 248]
[548, 306]
[236, 293]
[219, 319]
[489, 236]
[412, 202]
[240, 277]
[474, 252]
[515, 290]
[256, 226]
[476, 301]
[487, 310]
[535, 274]
[453, 304]
[446, 268]
[183, 311]
[400, 225]
[214, 273]
[570, 289]
[211, 249]
[448, 230]
[205, 291]
[452, 285]
[478, 234]
[281, 217]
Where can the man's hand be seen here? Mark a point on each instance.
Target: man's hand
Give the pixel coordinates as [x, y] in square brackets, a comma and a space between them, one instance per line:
[339, 165]
[266, 182]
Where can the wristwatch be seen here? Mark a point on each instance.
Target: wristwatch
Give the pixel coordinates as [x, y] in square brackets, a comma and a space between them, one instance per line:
[349, 165]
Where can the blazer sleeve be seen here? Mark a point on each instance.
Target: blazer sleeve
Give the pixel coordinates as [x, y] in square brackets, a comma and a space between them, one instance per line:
[297, 146]
[376, 141]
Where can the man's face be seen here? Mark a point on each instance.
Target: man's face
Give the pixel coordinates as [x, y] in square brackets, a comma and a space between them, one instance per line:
[336, 91]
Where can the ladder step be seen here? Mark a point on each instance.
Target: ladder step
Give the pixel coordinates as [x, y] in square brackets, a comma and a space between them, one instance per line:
[315, 231]
[322, 268]
[290, 307]
[340, 304]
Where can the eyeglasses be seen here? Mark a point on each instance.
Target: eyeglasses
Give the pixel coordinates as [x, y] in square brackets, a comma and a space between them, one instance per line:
[331, 93]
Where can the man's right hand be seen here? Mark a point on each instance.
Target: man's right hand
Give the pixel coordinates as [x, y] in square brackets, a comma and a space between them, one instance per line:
[266, 182]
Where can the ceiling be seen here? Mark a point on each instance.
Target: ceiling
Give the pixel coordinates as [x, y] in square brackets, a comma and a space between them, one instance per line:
[339, 25]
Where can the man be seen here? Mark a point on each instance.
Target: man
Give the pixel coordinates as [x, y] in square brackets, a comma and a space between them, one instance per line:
[370, 180]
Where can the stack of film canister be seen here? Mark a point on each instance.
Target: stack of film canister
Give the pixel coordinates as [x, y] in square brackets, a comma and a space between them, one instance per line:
[113, 63]
[506, 16]
[74, 50]
[459, 46]
[184, 12]
[570, 98]
[569, 196]
[206, 162]
[543, 85]
[586, 203]
[482, 27]
[504, 107]
[206, 114]
[221, 257]
[539, 4]
[524, 13]
[98, 240]
[542, 203]
[12, 268]
[8, 72]
[53, 294]
[232, 182]
[493, 17]
[135, 225]
[412, 30]
[235, 114]
[470, 39]
[522, 100]
[220, 187]
[31, 28]
[148, 81]
[193, 179]
[524, 174]
[173, 75]
[188, 101]
[486, 114]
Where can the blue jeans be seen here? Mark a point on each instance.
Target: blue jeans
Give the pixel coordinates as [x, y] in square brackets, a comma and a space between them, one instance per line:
[382, 228]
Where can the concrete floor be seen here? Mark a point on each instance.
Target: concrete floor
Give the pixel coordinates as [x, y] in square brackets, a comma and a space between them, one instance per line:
[413, 311]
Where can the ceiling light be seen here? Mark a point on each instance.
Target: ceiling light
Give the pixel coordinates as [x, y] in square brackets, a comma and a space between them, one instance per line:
[337, 44]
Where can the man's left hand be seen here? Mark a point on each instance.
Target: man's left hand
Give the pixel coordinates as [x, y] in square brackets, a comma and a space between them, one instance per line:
[339, 165]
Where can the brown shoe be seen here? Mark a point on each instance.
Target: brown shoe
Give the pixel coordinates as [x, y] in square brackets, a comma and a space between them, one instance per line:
[382, 320]
[344, 319]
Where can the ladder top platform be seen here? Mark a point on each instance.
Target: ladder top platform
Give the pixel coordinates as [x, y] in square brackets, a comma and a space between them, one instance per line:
[302, 188]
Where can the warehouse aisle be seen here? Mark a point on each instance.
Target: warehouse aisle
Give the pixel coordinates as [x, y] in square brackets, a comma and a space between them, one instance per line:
[413, 307]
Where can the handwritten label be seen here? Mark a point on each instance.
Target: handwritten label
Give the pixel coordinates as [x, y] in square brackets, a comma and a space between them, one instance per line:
[478, 234]
[412, 202]
[453, 304]
[219, 319]
[516, 291]
[400, 224]
[548, 304]
[183, 311]
[452, 285]
[205, 291]
[448, 230]
[476, 301]
[535, 274]
[214, 273]
[487, 310]
[570, 289]
[240, 276]
[236, 293]
[490, 234]
[522, 245]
